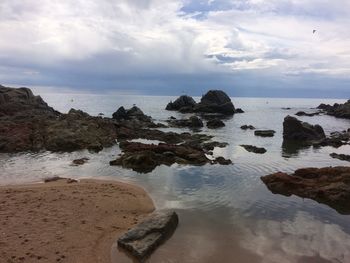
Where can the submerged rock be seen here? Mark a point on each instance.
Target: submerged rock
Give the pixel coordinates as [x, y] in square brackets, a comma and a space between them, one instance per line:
[329, 185]
[142, 240]
[247, 127]
[215, 123]
[80, 161]
[296, 130]
[254, 149]
[192, 122]
[343, 157]
[264, 133]
[303, 113]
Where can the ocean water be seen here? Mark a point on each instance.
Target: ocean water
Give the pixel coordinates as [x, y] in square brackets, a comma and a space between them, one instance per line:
[226, 213]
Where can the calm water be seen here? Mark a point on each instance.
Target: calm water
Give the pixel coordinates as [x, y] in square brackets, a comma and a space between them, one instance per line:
[226, 212]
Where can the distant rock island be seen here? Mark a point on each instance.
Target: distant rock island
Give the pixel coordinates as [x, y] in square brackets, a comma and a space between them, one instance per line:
[214, 101]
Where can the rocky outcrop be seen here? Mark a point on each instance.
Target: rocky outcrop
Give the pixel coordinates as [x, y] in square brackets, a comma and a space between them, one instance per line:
[247, 127]
[239, 110]
[342, 157]
[143, 239]
[215, 123]
[335, 139]
[337, 110]
[214, 101]
[264, 133]
[193, 122]
[254, 149]
[144, 158]
[303, 132]
[183, 103]
[133, 113]
[22, 102]
[329, 185]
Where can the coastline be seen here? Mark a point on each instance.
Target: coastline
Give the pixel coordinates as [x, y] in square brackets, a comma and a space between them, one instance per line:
[68, 222]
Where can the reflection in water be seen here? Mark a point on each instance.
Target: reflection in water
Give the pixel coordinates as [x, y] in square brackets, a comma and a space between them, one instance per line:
[292, 149]
[226, 212]
[296, 239]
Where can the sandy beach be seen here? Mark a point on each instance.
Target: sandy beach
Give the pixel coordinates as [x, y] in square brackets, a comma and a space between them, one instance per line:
[67, 222]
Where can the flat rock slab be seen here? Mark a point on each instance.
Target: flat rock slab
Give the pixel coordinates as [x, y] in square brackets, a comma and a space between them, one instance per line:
[142, 240]
[328, 185]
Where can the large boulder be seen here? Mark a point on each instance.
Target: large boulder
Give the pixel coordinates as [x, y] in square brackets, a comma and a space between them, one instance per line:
[215, 101]
[329, 185]
[296, 130]
[143, 239]
[21, 101]
[183, 102]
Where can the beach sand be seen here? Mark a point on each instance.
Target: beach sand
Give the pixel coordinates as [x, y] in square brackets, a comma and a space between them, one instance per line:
[61, 222]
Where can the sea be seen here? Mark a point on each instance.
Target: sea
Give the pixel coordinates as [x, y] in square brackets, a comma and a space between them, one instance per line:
[226, 213]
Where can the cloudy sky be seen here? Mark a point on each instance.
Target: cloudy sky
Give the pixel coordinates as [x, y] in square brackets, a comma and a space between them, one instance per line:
[246, 47]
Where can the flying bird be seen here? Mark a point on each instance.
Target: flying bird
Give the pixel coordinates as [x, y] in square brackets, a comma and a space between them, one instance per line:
[314, 31]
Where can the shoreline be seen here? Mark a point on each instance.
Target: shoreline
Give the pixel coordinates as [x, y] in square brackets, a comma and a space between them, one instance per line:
[68, 222]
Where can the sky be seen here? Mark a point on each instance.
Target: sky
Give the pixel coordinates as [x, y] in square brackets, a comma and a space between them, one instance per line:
[256, 48]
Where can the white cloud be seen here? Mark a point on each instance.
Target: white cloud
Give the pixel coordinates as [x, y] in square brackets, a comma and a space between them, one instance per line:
[154, 36]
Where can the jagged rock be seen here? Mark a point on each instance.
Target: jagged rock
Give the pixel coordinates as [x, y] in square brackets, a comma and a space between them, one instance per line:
[303, 113]
[215, 123]
[133, 113]
[143, 239]
[192, 122]
[336, 139]
[184, 102]
[343, 157]
[298, 131]
[337, 110]
[247, 127]
[264, 133]
[329, 185]
[254, 149]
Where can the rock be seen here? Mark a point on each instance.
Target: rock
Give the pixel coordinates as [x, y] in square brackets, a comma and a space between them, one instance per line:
[343, 157]
[183, 101]
[303, 113]
[247, 127]
[142, 240]
[144, 158]
[215, 101]
[336, 139]
[192, 122]
[286, 108]
[80, 161]
[254, 149]
[215, 123]
[221, 160]
[120, 114]
[295, 130]
[239, 110]
[133, 113]
[21, 101]
[337, 110]
[329, 185]
[264, 133]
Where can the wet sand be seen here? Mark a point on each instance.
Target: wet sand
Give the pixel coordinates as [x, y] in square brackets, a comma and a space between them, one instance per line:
[61, 222]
